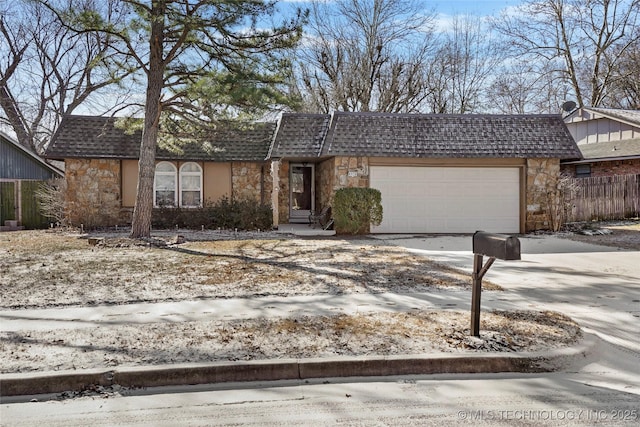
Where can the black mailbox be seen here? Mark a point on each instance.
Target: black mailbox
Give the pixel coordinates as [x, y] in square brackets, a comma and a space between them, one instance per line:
[493, 246]
[496, 245]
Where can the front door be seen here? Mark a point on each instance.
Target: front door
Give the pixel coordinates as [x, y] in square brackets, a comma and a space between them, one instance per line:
[302, 194]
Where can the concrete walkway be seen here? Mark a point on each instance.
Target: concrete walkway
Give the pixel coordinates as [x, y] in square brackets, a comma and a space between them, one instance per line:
[227, 309]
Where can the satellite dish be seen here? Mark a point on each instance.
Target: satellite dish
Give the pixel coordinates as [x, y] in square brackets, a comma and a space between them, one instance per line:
[568, 106]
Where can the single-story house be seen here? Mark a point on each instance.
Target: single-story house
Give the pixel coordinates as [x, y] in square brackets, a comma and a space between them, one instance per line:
[21, 170]
[609, 140]
[436, 173]
[101, 168]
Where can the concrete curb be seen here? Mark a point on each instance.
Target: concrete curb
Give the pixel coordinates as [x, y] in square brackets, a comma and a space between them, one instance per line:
[290, 369]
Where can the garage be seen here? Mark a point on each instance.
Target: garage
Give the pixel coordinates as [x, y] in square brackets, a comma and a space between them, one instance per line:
[427, 199]
[438, 173]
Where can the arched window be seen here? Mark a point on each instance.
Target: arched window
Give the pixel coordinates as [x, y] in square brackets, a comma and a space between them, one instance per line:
[190, 185]
[164, 185]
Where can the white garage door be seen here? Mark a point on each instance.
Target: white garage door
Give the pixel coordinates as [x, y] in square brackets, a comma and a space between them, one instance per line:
[447, 199]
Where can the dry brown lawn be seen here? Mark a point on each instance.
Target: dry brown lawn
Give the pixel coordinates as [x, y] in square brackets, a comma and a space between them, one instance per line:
[49, 269]
[54, 269]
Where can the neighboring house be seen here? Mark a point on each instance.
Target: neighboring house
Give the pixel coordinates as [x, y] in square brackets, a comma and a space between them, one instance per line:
[436, 173]
[101, 168]
[21, 171]
[609, 140]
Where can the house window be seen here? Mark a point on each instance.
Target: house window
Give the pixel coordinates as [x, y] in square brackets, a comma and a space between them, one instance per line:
[165, 184]
[190, 185]
[583, 171]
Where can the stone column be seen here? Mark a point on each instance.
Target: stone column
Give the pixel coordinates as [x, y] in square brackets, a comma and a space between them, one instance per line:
[275, 176]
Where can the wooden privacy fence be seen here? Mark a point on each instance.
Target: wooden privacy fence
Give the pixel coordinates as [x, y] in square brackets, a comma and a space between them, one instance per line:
[18, 202]
[604, 197]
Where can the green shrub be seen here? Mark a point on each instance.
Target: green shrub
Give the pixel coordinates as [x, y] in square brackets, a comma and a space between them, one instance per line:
[226, 214]
[356, 209]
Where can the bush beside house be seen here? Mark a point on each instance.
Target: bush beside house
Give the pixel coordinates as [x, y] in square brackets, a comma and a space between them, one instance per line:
[356, 209]
[225, 214]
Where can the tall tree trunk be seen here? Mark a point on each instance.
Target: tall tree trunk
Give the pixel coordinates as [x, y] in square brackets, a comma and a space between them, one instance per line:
[141, 223]
[8, 105]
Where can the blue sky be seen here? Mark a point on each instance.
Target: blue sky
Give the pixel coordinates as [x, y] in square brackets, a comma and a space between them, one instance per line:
[445, 9]
[451, 7]
[474, 7]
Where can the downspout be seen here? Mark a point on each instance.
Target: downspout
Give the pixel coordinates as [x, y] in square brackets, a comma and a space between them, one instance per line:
[262, 184]
[19, 199]
[275, 174]
[231, 180]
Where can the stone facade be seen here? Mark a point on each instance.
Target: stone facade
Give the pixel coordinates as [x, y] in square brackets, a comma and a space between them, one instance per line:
[93, 192]
[283, 193]
[351, 172]
[542, 182]
[341, 172]
[251, 180]
[94, 185]
[325, 177]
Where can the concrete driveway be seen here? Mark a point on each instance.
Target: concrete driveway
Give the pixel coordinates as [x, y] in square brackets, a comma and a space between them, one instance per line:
[597, 286]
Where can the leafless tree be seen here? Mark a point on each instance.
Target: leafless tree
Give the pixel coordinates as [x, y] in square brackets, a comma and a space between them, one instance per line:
[626, 89]
[47, 71]
[581, 41]
[560, 200]
[366, 55]
[523, 87]
[512, 90]
[51, 197]
[461, 69]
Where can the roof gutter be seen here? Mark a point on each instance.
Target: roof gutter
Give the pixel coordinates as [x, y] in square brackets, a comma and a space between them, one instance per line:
[272, 144]
[326, 134]
[601, 159]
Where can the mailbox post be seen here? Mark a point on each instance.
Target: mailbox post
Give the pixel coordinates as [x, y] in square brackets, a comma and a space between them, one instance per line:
[494, 246]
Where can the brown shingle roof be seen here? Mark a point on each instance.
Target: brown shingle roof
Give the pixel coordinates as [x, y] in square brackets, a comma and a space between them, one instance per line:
[300, 135]
[344, 134]
[98, 137]
[450, 136]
